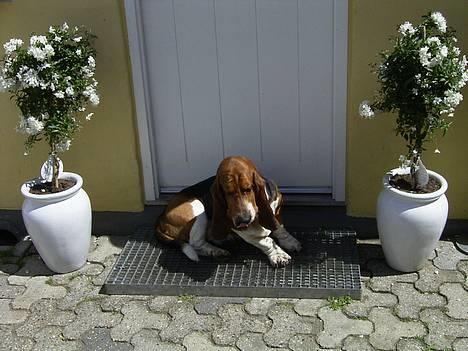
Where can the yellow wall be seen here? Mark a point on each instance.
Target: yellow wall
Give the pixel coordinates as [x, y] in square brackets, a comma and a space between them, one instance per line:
[372, 147]
[105, 151]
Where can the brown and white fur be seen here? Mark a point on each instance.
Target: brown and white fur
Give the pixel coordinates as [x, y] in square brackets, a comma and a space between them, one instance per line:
[242, 203]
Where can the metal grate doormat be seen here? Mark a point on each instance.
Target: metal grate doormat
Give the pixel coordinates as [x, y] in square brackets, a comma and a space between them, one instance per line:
[326, 266]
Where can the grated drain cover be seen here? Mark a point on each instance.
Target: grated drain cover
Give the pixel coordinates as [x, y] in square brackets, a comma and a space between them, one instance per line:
[327, 265]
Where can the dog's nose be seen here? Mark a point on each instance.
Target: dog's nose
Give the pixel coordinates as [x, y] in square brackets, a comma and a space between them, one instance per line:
[242, 221]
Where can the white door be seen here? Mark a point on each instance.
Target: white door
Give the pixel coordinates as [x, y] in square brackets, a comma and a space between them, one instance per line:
[248, 77]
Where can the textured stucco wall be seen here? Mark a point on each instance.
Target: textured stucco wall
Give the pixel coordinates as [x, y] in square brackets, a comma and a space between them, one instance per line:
[105, 151]
[372, 147]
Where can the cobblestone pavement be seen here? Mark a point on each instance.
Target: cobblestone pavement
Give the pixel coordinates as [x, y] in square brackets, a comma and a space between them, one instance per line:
[427, 310]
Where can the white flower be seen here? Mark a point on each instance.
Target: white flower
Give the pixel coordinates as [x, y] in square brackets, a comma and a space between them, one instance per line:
[69, 91]
[407, 28]
[88, 117]
[51, 29]
[94, 99]
[456, 51]
[63, 145]
[437, 151]
[432, 40]
[91, 62]
[30, 78]
[30, 126]
[12, 45]
[77, 39]
[452, 98]
[78, 52]
[39, 48]
[365, 111]
[439, 21]
[6, 83]
[59, 94]
[57, 38]
[415, 91]
[425, 56]
[65, 26]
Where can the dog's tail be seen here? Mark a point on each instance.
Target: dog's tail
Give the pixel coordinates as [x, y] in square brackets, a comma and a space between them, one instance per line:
[189, 251]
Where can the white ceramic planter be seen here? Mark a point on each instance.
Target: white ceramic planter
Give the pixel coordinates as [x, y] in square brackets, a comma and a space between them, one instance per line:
[410, 224]
[59, 224]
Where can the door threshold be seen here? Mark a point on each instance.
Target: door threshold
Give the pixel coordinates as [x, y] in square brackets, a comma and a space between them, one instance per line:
[289, 200]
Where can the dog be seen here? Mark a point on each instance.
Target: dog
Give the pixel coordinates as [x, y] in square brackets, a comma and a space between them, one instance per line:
[237, 200]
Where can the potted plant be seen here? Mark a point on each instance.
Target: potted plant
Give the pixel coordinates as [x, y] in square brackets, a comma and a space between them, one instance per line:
[420, 79]
[52, 81]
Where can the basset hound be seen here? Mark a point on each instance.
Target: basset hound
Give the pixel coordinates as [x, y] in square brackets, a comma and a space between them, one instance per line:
[237, 200]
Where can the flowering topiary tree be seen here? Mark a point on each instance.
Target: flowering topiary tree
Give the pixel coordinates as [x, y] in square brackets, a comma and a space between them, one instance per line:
[421, 79]
[51, 81]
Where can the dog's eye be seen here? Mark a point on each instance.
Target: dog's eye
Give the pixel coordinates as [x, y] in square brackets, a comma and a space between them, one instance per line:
[246, 190]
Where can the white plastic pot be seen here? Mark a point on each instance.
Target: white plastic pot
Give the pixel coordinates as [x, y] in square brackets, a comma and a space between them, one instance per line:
[59, 224]
[410, 225]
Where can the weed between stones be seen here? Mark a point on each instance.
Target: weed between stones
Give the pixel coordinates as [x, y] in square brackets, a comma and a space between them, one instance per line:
[338, 302]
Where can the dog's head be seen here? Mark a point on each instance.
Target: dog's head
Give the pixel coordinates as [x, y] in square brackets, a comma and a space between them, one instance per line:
[239, 197]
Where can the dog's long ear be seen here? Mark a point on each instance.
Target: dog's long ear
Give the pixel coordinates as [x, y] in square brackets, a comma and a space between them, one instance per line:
[266, 217]
[220, 227]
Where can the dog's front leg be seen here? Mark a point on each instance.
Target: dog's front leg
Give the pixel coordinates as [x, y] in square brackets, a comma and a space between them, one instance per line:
[258, 236]
[286, 240]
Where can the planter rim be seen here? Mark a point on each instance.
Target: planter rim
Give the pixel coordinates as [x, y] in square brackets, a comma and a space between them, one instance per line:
[55, 197]
[422, 197]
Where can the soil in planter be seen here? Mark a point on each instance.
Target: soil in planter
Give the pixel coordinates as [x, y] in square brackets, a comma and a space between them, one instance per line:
[403, 182]
[46, 188]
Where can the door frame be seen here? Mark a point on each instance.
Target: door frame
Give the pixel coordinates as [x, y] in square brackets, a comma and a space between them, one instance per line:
[143, 107]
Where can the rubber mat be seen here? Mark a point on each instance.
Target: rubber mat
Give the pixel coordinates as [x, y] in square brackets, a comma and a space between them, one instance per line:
[327, 265]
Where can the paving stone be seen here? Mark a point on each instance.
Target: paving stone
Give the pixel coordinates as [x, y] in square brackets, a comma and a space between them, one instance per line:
[137, 316]
[89, 269]
[89, 315]
[148, 340]
[460, 345]
[389, 329]
[32, 266]
[411, 345]
[210, 305]
[448, 256]
[254, 342]
[51, 338]
[337, 327]
[457, 298]
[301, 342]
[42, 314]
[430, 278]
[98, 339]
[11, 342]
[8, 268]
[463, 267]
[108, 263]
[114, 303]
[369, 299]
[8, 291]
[309, 307]
[162, 303]
[258, 306]
[411, 301]
[185, 320]
[79, 289]
[442, 330]
[235, 322]
[357, 343]
[287, 323]
[384, 277]
[106, 246]
[38, 288]
[9, 315]
[200, 342]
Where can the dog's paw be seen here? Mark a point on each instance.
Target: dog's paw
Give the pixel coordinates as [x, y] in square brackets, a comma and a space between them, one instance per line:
[279, 258]
[291, 244]
[286, 240]
[218, 252]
